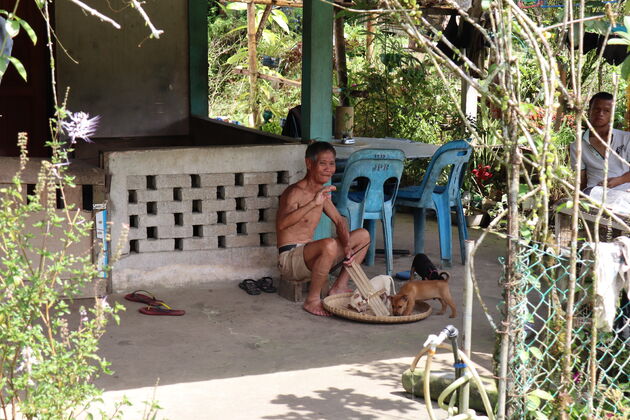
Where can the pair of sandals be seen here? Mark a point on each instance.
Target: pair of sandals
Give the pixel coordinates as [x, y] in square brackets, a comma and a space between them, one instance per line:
[254, 287]
[154, 305]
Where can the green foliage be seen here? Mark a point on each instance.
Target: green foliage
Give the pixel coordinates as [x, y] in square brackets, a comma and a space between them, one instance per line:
[12, 27]
[404, 98]
[48, 355]
[227, 50]
[272, 127]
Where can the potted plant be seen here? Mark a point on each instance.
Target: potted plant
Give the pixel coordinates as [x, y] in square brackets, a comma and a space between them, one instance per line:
[477, 190]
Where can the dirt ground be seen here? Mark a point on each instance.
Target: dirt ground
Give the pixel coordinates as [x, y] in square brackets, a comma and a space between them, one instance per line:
[236, 356]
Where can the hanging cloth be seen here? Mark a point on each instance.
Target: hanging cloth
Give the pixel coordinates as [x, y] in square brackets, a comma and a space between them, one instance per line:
[612, 268]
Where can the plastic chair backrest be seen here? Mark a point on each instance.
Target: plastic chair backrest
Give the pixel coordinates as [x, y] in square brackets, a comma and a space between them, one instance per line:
[378, 166]
[456, 153]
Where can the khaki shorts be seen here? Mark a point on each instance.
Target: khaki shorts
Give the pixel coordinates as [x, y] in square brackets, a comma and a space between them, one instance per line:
[292, 266]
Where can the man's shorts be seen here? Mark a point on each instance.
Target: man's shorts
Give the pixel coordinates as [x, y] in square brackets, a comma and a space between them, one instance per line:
[292, 265]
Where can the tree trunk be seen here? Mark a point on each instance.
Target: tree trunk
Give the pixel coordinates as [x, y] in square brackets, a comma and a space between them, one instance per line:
[369, 39]
[342, 68]
[254, 117]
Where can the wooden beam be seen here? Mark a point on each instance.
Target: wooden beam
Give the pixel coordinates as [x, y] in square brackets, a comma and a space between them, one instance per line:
[283, 3]
[281, 80]
[430, 10]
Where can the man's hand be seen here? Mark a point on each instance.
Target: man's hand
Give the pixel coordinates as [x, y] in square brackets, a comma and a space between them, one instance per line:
[614, 181]
[324, 194]
[349, 259]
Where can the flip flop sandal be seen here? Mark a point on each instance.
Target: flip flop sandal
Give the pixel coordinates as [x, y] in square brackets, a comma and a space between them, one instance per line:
[266, 285]
[161, 309]
[250, 286]
[144, 297]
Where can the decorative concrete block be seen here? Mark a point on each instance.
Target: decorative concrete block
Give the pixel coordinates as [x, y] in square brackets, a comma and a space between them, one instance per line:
[241, 191]
[259, 178]
[208, 218]
[239, 241]
[269, 239]
[138, 209]
[173, 181]
[136, 182]
[98, 194]
[256, 170]
[269, 215]
[194, 244]
[213, 180]
[274, 190]
[174, 206]
[137, 233]
[185, 231]
[261, 227]
[74, 196]
[7, 186]
[219, 230]
[144, 196]
[218, 205]
[242, 216]
[260, 203]
[156, 245]
[163, 219]
[199, 193]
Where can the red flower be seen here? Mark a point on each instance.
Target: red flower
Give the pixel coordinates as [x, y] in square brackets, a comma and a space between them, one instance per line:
[482, 173]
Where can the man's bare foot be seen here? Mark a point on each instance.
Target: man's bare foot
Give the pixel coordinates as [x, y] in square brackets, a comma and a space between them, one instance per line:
[316, 308]
[337, 290]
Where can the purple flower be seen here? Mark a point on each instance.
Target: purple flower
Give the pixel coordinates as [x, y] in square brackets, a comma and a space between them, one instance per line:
[80, 126]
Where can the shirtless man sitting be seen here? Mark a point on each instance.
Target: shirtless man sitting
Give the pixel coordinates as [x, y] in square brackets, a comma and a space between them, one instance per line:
[300, 208]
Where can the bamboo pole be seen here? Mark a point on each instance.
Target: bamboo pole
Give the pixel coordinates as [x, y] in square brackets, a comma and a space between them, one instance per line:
[253, 71]
[367, 291]
[468, 309]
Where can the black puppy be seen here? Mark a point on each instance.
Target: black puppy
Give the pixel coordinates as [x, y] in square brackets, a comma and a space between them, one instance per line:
[426, 270]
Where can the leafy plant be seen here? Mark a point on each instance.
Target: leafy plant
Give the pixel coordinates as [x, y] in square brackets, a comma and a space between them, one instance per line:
[48, 355]
[12, 26]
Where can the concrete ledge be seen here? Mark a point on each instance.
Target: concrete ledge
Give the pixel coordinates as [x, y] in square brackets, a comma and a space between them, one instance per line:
[185, 269]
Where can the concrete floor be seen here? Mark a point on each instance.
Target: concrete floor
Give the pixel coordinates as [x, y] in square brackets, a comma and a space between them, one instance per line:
[236, 356]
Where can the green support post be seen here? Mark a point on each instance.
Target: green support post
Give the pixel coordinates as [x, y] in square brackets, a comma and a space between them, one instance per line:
[317, 47]
[317, 50]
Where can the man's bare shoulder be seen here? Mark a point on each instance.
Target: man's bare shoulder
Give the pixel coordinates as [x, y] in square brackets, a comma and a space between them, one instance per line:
[294, 192]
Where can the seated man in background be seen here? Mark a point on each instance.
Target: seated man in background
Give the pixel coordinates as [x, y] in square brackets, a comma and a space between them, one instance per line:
[300, 208]
[594, 149]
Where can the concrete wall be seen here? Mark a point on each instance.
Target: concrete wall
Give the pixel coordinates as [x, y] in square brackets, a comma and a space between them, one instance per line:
[138, 86]
[197, 215]
[89, 189]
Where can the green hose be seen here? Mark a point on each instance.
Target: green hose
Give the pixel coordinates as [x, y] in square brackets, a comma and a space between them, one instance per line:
[471, 374]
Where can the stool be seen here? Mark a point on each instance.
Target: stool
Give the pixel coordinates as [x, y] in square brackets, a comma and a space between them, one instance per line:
[296, 291]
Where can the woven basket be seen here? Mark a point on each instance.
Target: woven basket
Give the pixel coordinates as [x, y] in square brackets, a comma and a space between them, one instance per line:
[338, 305]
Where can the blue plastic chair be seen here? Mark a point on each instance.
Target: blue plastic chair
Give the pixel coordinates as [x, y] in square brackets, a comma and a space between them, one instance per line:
[441, 198]
[367, 193]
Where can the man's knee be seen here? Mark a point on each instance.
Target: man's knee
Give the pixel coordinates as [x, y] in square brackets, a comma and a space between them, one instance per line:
[329, 248]
[362, 234]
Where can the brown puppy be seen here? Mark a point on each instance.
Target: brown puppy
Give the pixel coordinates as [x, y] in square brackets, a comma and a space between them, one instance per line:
[418, 290]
